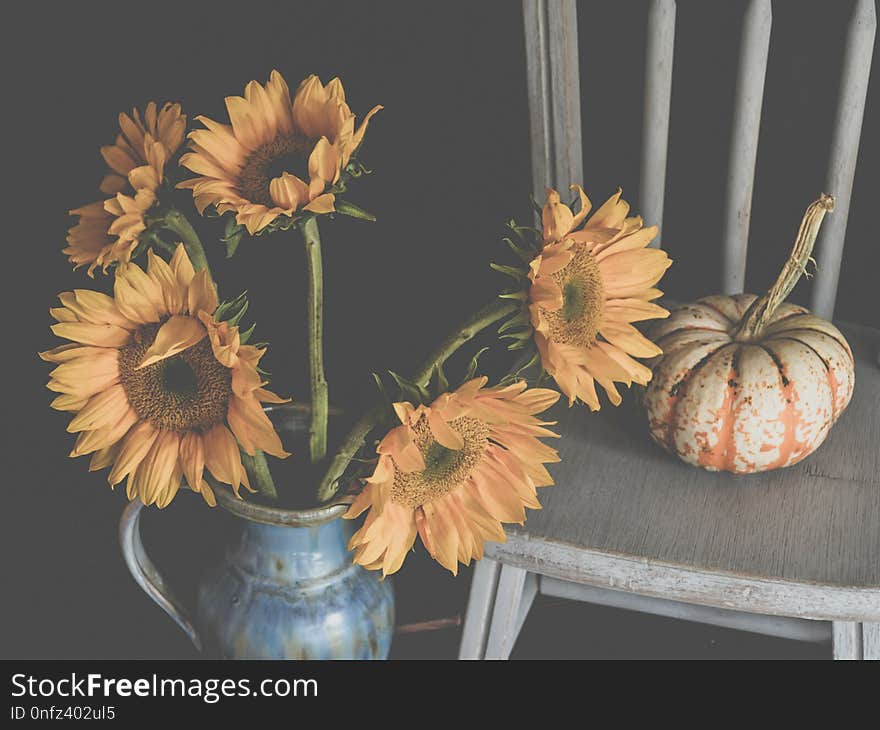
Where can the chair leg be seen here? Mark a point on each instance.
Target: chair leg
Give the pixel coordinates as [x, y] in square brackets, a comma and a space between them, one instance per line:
[871, 642]
[852, 640]
[516, 592]
[846, 640]
[484, 585]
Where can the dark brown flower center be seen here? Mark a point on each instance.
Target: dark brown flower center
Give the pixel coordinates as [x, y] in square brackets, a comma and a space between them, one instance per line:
[583, 298]
[187, 392]
[445, 469]
[270, 160]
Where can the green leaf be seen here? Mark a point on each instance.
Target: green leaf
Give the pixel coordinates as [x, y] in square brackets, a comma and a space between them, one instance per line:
[355, 168]
[525, 334]
[381, 386]
[472, 367]
[521, 253]
[520, 338]
[519, 294]
[232, 235]
[146, 240]
[281, 223]
[350, 209]
[413, 392]
[232, 310]
[341, 185]
[245, 335]
[536, 206]
[236, 318]
[515, 229]
[514, 273]
[440, 381]
[521, 319]
[533, 360]
[521, 231]
[516, 374]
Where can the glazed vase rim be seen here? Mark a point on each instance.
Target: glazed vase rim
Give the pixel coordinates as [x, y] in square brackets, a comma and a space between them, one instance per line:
[270, 515]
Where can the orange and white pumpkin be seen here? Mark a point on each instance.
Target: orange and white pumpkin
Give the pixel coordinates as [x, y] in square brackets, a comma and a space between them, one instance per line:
[746, 384]
[746, 406]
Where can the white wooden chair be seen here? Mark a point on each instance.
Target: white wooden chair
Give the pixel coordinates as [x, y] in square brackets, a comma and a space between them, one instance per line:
[793, 553]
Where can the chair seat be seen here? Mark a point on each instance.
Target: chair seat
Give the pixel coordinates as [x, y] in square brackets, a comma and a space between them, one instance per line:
[625, 514]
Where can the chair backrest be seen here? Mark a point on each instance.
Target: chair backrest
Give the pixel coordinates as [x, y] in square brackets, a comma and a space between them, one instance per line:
[557, 155]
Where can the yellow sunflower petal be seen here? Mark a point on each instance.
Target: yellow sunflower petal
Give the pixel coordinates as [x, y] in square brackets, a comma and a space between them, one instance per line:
[632, 242]
[629, 339]
[632, 310]
[358, 137]
[245, 123]
[584, 208]
[222, 458]
[202, 295]
[102, 410]
[102, 335]
[288, 191]
[134, 448]
[192, 459]
[445, 435]
[181, 266]
[556, 217]
[322, 204]
[323, 166]
[176, 335]
[307, 103]
[155, 473]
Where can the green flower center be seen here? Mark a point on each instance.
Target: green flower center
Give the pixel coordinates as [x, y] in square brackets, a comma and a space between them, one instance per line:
[577, 322]
[440, 461]
[445, 469]
[573, 300]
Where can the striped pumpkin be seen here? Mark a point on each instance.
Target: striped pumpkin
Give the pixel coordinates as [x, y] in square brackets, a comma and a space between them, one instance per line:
[746, 406]
[747, 383]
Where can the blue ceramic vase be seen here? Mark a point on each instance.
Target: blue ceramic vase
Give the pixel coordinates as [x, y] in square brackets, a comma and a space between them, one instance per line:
[285, 589]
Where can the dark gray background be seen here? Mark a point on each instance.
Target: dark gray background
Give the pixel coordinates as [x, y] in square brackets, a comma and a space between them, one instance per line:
[451, 159]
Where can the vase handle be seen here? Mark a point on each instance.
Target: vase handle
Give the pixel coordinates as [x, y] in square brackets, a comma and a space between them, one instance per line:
[145, 573]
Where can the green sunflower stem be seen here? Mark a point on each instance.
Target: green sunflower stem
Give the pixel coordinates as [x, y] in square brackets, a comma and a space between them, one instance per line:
[177, 222]
[258, 471]
[329, 485]
[496, 310]
[470, 328]
[318, 427]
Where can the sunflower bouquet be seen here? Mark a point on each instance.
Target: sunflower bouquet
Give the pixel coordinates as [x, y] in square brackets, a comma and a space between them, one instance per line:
[163, 376]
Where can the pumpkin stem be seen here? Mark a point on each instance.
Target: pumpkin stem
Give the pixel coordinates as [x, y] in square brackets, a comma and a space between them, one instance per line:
[761, 312]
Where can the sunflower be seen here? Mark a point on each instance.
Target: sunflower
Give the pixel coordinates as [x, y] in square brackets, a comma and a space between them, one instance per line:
[453, 471]
[107, 231]
[132, 147]
[89, 242]
[129, 211]
[160, 389]
[278, 156]
[588, 286]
